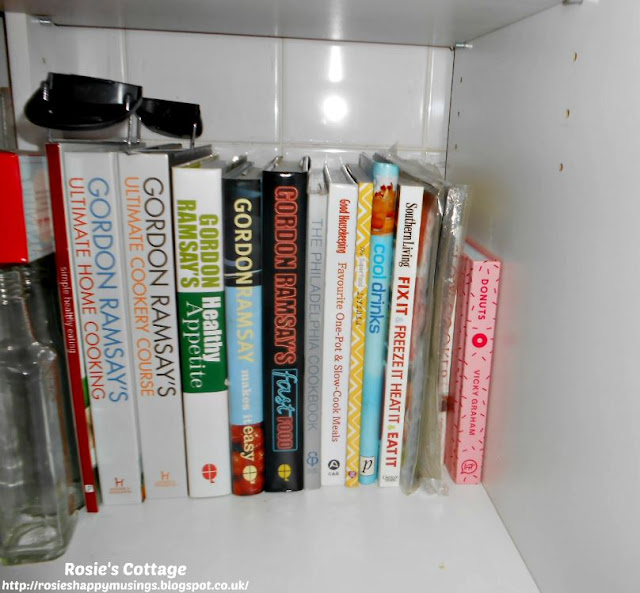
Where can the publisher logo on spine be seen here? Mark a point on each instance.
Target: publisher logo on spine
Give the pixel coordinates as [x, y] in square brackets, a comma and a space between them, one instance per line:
[284, 471]
[469, 466]
[210, 472]
[284, 385]
[367, 466]
[119, 487]
[250, 473]
[165, 481]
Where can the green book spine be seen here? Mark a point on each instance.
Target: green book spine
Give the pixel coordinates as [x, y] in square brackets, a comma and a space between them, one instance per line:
[201, 312]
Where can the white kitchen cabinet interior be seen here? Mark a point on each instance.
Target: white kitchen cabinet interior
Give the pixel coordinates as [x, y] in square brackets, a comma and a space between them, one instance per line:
[541, 117]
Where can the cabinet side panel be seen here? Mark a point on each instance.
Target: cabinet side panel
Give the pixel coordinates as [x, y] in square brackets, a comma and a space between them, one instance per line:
[545, 126]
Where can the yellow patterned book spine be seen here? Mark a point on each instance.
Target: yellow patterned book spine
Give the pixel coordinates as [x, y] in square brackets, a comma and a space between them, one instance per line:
[358, 330]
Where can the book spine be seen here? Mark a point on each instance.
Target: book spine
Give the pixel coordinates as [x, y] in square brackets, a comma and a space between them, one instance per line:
[446, 347]
[385, 181]
[457, 364]
[342, 216]
[93, 215]
[201, 314]
[243, 296]
[316, 242]
[358, 329]
[476, 374]
[446, 369]
[71, 330]
[284, 228]
[145, 188]
[401, 314]
[420, 339]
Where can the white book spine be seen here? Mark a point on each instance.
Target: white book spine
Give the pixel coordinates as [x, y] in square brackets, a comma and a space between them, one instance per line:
[91, 203]
[342, 216]
[198, 244]
[145, 189]
[314, 287]
[399, 344]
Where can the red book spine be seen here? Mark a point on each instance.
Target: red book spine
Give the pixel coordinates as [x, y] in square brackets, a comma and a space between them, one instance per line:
[69, 322]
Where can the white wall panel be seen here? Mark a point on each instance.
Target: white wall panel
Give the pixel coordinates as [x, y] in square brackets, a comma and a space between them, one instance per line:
[548, 132]
[258, 94]
[353, 93]
[234, 79]
[437, 98]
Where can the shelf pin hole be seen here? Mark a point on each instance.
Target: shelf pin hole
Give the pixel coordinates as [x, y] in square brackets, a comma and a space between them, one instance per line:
[561, 168]
[575, 56]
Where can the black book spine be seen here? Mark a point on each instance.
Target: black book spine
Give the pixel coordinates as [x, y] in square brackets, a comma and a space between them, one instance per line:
[284, 219]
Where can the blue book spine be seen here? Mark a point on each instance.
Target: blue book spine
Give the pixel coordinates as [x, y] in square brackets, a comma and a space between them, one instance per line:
[385, 183]
[243, 295]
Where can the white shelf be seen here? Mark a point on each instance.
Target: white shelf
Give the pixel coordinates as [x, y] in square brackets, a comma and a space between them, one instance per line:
[332, 539]
[419, 22]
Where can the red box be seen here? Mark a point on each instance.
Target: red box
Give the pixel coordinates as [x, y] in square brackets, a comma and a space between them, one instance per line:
[26, 232]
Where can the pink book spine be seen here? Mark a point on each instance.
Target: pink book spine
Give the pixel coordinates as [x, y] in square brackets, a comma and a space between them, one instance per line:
[474, 376]
[457, 364]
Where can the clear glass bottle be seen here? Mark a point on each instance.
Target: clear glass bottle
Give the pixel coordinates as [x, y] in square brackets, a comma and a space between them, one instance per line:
[43, 308]
[37, 514]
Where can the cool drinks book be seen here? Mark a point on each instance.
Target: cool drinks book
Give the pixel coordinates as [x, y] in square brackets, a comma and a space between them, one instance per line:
[385, 185]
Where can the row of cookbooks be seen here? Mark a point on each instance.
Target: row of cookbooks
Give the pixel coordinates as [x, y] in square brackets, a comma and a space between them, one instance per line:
[238, 328]
[233, 328]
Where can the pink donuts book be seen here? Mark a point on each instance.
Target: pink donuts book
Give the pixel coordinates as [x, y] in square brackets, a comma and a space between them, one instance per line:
[476, 308]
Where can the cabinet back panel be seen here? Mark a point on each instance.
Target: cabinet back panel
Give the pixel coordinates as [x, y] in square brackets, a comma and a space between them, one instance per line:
[259, 94]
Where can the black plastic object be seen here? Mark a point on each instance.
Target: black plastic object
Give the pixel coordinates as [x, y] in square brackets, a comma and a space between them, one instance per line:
[72, 102]
[171, 118]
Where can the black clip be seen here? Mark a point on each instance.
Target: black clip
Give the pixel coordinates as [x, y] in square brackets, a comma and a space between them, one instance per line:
[171, 118]
[72, 102]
